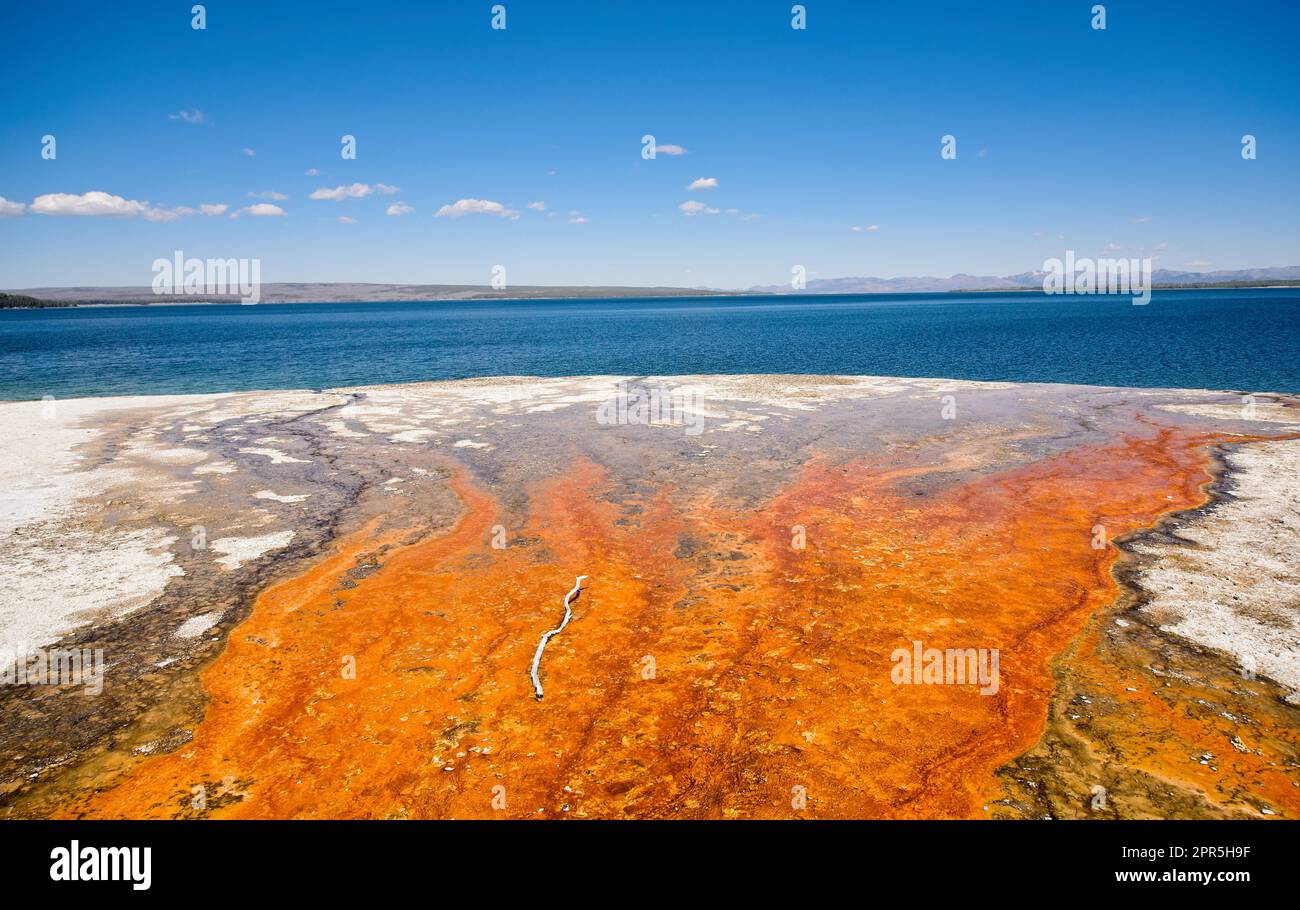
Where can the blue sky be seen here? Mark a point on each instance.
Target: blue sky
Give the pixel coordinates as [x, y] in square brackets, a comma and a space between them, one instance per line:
[1126, 139]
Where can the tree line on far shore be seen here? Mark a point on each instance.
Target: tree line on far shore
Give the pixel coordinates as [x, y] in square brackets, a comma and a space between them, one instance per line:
[22, 301]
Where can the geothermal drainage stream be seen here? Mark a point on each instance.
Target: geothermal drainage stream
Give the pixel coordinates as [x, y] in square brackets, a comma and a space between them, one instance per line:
[546, 636]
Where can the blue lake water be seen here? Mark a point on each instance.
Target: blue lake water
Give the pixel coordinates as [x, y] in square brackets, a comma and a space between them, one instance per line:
[1222, 339]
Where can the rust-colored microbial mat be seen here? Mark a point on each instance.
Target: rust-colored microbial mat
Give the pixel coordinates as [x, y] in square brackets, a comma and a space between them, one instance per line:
[752, 579]
[724, 659]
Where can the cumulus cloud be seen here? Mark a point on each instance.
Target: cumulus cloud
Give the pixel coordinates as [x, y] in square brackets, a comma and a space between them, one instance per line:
[462, 207]
[355, 191]
[194, 115]
[262, 210]
[691, 207]
[871, 227]
[398, 208]
[92, 203]
[11, 209]
[669, 150]
[339, 193]
[99, 204]
[344, 219]
[269, 194]
[537, 206]
[704, 183]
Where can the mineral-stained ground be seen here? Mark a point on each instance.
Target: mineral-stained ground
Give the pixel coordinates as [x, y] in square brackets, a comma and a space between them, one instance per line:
[326, 604]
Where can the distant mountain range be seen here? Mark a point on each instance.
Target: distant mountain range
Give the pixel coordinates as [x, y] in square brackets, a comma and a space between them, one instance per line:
[1289, 274]
[335, 291]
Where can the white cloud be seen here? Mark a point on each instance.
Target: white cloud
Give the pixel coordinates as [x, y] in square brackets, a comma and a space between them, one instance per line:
[704, 183]
[399, 208]
[576, 217]
[193, 115]
[100, 204]
[96, 204]
[1111, 247]
[313, 172]
[871, 227]
[249, 152]
[92, 203]
[385, 189]
[11, 209]
[269, 194]
[669, 150]
[355, 191]
[344, 219]
[262, 210]
[537, 206]
[463, 207]
[691, 207]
